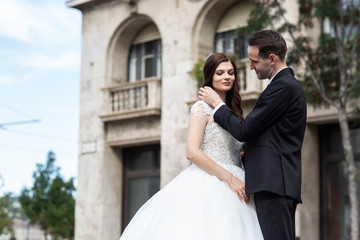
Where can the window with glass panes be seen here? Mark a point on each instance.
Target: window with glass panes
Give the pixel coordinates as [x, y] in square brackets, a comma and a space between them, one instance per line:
[230, 42]
[144, 60]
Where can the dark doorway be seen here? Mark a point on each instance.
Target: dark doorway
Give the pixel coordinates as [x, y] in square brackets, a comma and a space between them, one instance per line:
[334, 199]
[141, 178]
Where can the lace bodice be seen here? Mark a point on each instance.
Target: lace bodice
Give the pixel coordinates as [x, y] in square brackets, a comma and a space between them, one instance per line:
[217, 143]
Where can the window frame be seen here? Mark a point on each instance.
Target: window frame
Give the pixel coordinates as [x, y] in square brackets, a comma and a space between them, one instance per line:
[231, 41]
[136, 64]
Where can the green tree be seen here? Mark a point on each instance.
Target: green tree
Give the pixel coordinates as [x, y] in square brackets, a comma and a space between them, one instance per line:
[62, 208]
[50, 202]
[331, 61]
[5, 205]
[198, 71]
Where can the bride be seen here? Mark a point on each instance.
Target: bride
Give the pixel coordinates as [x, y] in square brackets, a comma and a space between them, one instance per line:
[206, 201]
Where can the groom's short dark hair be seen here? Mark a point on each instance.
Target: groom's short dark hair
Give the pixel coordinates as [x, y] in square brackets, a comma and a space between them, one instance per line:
[269, 42]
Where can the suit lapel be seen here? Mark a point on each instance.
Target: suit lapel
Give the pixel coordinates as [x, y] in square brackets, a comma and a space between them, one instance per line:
[284, 72]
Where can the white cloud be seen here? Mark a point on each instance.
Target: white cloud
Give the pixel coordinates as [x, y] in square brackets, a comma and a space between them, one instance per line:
[60, 61]
[42, 24]
[19, 20]
[39, 72]
[44, 35]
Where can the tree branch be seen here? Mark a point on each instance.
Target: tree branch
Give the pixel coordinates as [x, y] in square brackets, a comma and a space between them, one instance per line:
[342, 29]
[351, 28]
[353, 55]
[341, 62]
[339, 30]
[318, 84]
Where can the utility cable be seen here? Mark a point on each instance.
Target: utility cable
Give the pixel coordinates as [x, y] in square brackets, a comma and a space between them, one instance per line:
[17, 148]
[39, 135]
[33, 120]
[17, 111]
[19, 122]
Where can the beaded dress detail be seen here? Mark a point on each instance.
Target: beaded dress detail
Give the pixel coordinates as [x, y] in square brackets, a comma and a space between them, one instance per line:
[217, 143]
[196, 205]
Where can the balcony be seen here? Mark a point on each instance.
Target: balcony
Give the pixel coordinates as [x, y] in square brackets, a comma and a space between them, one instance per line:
[133, 100]
[250, 86]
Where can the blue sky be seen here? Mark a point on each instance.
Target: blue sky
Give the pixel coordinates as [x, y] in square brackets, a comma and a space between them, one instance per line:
[40, 43]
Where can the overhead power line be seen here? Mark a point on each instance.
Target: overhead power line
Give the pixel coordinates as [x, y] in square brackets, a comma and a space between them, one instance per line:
[19, 122]
[33, 120]
[19, 148]
[17, 111]
[40, 135]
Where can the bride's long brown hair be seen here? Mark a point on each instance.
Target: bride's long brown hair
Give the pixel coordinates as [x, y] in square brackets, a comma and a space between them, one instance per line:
[233, 98]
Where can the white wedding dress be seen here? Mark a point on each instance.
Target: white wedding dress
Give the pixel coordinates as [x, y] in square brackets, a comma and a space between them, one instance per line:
[196, 205]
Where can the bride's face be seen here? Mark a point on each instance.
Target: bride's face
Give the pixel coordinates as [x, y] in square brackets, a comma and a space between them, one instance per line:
[224, 77]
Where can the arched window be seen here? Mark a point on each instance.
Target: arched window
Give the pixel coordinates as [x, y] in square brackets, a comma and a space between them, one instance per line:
[226, 37]
[145, 55]
[134, 70]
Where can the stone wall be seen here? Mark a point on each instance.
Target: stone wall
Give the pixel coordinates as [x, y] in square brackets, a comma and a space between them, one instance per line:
[187, 29]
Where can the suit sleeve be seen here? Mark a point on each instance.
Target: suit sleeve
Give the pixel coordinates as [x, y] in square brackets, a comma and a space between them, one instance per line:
[269, 108]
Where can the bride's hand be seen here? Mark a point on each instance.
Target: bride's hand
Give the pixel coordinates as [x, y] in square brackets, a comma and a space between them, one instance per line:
[238, 187]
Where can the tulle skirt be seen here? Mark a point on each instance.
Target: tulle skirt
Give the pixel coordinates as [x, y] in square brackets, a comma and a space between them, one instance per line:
[195, 206]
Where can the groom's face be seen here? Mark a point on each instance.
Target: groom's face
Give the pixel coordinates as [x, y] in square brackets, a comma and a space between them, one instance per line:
[261, 66]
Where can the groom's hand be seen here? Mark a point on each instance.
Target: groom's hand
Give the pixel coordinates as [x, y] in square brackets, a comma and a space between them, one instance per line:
[208, 95]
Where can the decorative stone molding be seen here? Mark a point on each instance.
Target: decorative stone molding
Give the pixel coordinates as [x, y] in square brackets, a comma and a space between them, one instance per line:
[81, 3]
[135, 141]
[132, 5]
[77, 3]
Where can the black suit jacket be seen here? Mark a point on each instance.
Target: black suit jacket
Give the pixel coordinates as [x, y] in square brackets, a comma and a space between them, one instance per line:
[274, 132]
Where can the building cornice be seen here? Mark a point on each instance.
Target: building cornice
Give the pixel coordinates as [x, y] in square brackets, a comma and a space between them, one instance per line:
[78, 3]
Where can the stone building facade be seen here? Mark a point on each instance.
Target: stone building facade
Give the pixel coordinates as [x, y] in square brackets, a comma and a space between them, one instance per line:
[136, 90]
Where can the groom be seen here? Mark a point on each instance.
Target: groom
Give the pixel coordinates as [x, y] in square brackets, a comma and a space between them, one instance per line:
[273, 132]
